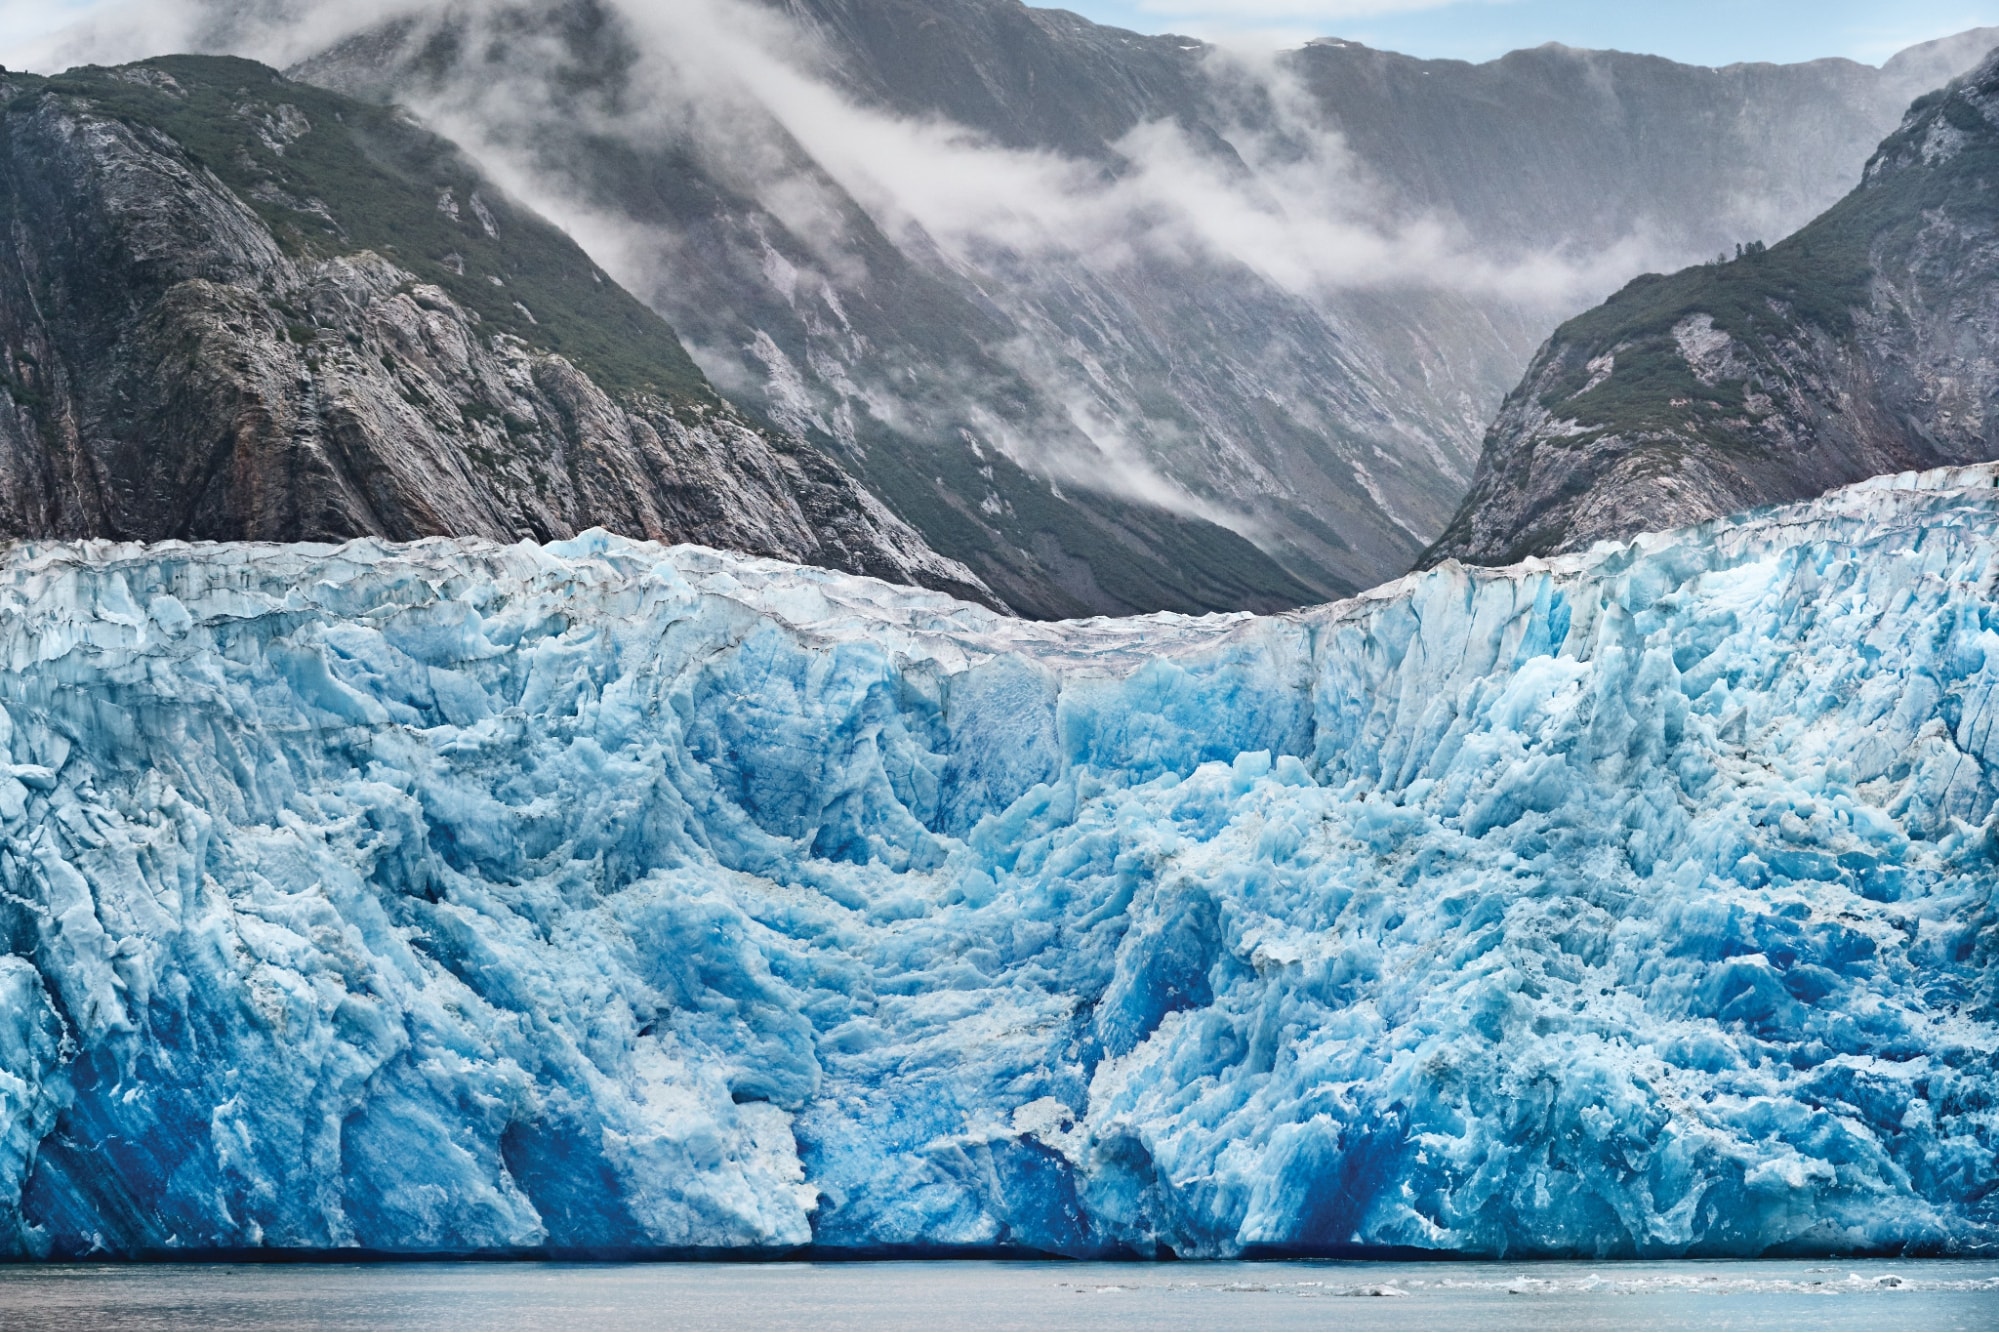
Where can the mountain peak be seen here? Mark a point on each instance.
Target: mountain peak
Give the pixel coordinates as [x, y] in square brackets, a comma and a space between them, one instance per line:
[1940, 125]
[1860, 345]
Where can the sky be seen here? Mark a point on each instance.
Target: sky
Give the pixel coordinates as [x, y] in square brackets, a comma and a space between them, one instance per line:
[1704, 32]
[1708, 32]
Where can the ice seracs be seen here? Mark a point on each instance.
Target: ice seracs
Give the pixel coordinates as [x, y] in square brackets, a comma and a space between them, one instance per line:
[603, 896]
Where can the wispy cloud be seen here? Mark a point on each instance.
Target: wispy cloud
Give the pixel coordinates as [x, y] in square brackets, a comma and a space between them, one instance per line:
[1304, 214]
[746, 90]
[38, 35]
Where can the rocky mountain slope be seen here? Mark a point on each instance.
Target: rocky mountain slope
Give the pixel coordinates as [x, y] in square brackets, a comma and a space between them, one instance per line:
[1284, 296]
[1557, 146]
[236, 307]
[803, 303]
[1865, 343]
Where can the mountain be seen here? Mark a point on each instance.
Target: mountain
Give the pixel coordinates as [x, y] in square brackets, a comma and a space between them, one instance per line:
[1865, 343]
[876, 349]
[604, 898]
[973, 248]
[238, 307]
[1539, 149]
[1558, 147]
[1108, 323]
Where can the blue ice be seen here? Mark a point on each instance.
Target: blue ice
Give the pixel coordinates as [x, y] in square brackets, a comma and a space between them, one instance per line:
[603, 896]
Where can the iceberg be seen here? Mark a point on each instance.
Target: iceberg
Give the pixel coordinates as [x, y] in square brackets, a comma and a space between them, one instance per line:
[602, 897]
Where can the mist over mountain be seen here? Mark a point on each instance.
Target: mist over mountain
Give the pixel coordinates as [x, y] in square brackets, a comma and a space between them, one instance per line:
[1864, 343]
[1116, 320]
[1283, 294]
[236, 307]
[1568, 148]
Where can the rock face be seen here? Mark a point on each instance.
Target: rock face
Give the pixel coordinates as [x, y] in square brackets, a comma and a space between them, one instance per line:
[872, 343]
[609, 897]
[1557, 146]
[232, 307]
[1863, 344]
[1330, 414]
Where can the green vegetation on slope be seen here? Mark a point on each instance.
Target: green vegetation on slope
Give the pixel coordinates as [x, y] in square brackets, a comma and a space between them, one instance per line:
[1815, 279]
[365, 177]
[1141, 556]
[1834, 341]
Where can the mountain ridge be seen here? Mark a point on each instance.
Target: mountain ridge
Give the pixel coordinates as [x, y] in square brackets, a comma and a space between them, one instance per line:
[1337, 425]
[240, 307]
[1859, 345]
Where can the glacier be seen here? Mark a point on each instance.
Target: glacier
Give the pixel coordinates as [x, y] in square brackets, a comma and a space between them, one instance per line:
[602, 897]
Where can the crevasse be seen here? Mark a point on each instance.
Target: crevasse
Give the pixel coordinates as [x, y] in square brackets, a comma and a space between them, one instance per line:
[608, 897]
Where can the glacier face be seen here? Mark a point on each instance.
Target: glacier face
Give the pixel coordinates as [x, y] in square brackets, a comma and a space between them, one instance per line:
[605, 896]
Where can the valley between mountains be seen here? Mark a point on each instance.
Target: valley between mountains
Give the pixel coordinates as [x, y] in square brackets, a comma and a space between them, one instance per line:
[1084, 396]
[851, 628]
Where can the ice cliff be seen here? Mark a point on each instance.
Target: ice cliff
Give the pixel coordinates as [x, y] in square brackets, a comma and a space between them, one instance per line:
[611, 896]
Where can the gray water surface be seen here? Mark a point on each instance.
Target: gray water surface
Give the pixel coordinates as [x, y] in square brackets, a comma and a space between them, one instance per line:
[1805, 1294]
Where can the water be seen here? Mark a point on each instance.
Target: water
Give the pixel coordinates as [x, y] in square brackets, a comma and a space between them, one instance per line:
[1803, 1294]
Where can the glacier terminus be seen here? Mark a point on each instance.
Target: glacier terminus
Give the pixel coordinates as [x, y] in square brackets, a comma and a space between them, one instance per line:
[606, 897]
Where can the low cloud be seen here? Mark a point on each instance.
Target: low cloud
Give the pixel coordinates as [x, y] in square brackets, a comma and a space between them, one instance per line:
[1304, 214]
[722, 73]
[749, 91]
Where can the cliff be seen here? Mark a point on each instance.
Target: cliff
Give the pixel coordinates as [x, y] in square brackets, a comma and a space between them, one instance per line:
[1864, 343]
[236, 307]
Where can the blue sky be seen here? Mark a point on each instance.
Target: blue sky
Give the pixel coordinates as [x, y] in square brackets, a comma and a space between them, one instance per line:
[1707, 32]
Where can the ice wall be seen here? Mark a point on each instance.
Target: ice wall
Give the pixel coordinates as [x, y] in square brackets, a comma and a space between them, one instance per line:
[605, 896]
